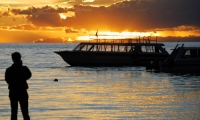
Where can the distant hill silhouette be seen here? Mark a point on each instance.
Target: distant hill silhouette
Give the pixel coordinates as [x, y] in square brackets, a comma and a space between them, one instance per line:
[176, 39]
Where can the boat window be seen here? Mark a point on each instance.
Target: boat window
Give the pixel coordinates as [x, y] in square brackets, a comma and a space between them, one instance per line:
[149, 49]
[93, 48]
[132, 49]
[78, 48]
[187, 53]
[89, 47]
[106, 48]
[117, 48]
[126, 49]
[100, 48]
[191, 53]
[84, 48]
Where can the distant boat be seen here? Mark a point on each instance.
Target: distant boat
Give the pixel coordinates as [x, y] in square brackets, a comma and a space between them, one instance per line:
[116, 52]
[182, 60]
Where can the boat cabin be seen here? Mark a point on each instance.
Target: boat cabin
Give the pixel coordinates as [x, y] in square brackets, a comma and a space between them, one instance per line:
[184, 54]
[123, 45]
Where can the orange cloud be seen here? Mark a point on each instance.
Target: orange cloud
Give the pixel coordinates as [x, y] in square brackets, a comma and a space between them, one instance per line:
[167, 17]
[180, 31]
[126, 15]
[4, 10]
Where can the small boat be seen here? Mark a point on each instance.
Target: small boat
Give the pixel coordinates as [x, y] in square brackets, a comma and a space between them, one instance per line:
[115, 52]
[184, 60]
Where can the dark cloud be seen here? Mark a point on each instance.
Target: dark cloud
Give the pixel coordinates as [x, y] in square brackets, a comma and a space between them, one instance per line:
[46, 9]
[132, 15]
[6, 13]
[68, 30]
[23, 27]
[48, 40]
[86, 2]
[4, 10]
[44, 16]
[138, 15]
[181, 28]
[47, 19]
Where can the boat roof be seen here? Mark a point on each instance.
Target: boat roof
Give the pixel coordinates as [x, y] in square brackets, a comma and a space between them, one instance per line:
[121, 40]
[185, 48]
[122, 44]
[191, 48]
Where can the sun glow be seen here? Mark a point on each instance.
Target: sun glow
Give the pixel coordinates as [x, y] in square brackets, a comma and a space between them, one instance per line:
[117, 35]
[69, 39]
[40, 40]
[88, 1]
[62, 16]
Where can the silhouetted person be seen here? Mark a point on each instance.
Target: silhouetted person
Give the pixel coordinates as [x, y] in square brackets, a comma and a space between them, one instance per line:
[16, 76]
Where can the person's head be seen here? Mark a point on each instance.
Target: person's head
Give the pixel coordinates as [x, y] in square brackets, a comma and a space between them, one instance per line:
[16, 57]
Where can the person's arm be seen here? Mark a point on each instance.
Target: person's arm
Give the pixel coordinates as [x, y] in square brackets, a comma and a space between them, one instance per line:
[27, 73]
[7, 78]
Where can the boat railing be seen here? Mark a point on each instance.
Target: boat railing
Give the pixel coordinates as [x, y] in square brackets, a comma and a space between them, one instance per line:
[122, 39]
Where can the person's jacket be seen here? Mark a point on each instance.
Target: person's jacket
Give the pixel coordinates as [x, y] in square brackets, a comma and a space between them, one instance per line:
[16, 76]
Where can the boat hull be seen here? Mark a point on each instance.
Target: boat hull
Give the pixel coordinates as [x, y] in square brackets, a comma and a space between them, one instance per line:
[192, 67]
[81, 58]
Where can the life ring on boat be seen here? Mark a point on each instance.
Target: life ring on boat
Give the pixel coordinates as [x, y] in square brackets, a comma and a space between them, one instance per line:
[171, 64]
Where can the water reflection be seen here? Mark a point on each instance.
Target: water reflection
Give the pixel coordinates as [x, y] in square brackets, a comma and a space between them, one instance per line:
[110, 93]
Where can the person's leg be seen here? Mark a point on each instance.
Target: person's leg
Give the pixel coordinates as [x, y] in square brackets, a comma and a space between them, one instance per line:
[13, 105]
[24, 105]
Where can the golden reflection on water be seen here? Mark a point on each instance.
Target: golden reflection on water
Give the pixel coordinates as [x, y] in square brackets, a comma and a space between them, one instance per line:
[105, 93]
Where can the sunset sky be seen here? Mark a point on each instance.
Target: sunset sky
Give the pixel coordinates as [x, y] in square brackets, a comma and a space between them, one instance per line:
[63, 20]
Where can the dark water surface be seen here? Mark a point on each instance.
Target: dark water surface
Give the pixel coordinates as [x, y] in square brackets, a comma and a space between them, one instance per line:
[98, 92]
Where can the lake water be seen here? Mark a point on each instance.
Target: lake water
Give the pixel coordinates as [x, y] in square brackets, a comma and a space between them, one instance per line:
[98, 92]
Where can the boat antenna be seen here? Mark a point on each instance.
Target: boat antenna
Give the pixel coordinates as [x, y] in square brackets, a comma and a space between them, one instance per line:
[97, 35]
[177, 44]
